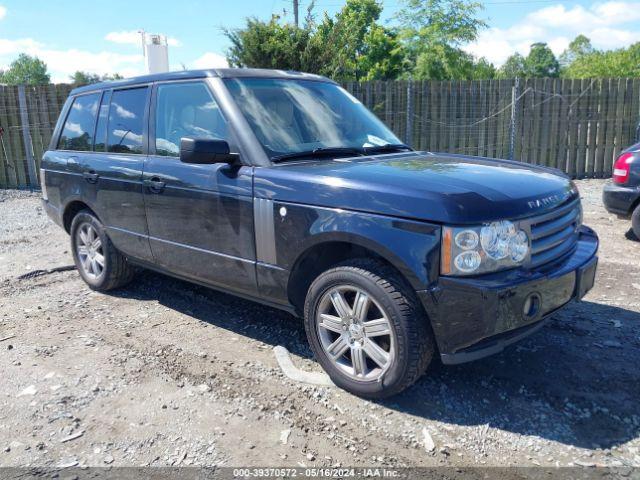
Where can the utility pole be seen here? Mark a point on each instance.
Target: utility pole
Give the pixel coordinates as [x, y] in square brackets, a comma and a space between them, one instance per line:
[295, 11]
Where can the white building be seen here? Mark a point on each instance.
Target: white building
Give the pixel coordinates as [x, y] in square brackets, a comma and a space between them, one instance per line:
[156, 52]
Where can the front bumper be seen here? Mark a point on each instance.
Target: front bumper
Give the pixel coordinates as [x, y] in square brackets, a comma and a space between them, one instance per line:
[476, 317]
[619, 199]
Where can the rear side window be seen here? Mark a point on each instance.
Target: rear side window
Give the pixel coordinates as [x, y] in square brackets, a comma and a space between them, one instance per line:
[186, 110]
[100, 142]
[77, 132]
[126, 121]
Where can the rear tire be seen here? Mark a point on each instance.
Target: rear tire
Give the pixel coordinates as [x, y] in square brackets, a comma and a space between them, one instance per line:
[635, 222]
[339, 332]
[100, 265]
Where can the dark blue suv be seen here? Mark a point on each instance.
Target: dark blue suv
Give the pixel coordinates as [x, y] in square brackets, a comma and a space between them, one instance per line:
[283, 188]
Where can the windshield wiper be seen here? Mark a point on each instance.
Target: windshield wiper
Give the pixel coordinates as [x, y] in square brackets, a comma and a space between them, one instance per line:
[389, 147]
[318, 152]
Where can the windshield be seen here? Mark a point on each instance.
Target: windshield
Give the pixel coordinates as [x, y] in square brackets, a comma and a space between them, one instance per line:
[290, 116]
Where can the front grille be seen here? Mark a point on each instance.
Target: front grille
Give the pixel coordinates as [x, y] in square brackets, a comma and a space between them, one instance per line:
[553, 235]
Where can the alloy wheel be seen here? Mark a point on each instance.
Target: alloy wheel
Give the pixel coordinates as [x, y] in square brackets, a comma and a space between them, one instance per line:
[355, 332]
[90, 251]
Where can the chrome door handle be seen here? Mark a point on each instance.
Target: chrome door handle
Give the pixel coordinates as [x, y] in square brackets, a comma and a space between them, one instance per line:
[91, 176]
[155, 185]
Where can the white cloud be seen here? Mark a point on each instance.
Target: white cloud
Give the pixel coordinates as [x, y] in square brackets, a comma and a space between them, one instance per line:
[133, 37]
[63, 63]
[613, 38]
[210, 60]
[3, 12]
[9, 47]
[604, 23]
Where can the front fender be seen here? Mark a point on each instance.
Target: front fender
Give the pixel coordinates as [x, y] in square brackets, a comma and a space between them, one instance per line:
[410, 246]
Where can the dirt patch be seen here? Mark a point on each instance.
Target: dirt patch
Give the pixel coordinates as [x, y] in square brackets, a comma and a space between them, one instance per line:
[168, 373]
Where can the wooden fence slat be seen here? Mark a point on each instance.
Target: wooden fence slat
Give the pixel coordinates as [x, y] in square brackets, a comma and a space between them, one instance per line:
[582, 113]
[573, 115]
[15, 136]
[544, 122]
[635, 108]
[8, 177]
[443, 130]
[601, 130]
[610, 126]
[622, 137]
[529, 112]
[592, 129]
[482, 108]
[424, 128]
[519, 121]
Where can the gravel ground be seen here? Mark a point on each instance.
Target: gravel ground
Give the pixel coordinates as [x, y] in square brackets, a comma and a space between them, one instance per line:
[167, 373]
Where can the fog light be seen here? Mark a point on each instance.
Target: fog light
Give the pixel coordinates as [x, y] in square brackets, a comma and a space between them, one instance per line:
[531, 305]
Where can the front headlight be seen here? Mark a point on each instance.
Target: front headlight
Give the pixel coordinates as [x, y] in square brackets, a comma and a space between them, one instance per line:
[483, 249]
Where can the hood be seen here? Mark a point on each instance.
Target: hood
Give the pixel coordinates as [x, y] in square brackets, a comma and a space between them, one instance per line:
[441, 188]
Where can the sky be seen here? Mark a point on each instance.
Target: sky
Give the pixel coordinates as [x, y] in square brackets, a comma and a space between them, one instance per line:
[102, 36]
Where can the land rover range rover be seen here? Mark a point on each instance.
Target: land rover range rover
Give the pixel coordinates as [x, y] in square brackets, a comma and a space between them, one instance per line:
[283, 188]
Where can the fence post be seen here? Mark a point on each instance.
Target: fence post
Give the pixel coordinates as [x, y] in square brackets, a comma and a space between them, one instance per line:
[409, 134]
[515, 92]
[26, 137]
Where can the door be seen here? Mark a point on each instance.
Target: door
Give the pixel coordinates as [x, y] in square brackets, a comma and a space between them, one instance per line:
[200, 217]
[107, 178]
[115, 169]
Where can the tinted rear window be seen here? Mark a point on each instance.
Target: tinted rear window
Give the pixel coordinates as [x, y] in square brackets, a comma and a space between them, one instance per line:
[126, 120]
[77, 133]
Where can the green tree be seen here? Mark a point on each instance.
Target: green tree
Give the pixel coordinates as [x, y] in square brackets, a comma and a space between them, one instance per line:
[442, 62]
[579, 47]
[382, 54]
[349, 46]
[86, 78]
[26, 70]
[271, 44]
[432, 33]
[483, 70]
[355, 47]
[513, 67]
[541, 62]
[623, 62]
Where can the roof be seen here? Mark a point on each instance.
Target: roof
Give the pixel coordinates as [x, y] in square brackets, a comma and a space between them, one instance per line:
[188, 74]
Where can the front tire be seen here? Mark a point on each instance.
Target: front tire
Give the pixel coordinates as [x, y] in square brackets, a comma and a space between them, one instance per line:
[100, 265]
[367, 329]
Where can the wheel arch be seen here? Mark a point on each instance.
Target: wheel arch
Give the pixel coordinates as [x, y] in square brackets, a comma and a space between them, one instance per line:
[325, 251]
[71, 209]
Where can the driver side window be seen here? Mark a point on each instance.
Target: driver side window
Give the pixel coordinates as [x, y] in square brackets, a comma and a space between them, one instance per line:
[186, 110]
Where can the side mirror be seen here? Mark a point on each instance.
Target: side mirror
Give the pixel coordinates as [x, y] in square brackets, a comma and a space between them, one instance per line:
[206, 151]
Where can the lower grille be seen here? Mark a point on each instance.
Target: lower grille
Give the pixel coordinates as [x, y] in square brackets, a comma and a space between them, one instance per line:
[554, 234]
